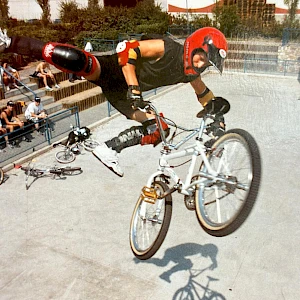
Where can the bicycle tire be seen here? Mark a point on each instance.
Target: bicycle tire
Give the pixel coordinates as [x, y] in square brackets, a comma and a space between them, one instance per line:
[1, 176]
[232, 202]
[65, 156]
[216, 296]
[148, 232]
[184, 293]
[90, 144]
[67, 171]
[32, 171]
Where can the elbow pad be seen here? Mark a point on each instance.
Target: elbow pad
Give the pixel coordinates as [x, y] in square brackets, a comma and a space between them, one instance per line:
[128, 52]
[205, 97]
[69, 59]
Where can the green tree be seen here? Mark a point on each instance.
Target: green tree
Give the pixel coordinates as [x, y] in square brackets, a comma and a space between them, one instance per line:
[69, 11]
[3, 11]
[292, 7]
[227, 18]
[148, 13]
[45, 6]
[201, 21]
[92, 4]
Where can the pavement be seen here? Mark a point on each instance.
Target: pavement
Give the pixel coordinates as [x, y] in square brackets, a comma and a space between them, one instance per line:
[69, 239]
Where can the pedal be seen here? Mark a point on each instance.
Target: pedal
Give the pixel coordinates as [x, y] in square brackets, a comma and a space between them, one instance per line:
[149, 195]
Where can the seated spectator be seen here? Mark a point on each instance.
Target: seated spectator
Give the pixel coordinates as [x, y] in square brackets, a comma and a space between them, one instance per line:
[73, 77]
[10, 81]
[35, 112]
[43, 71]
[10, 120]
[3, 131]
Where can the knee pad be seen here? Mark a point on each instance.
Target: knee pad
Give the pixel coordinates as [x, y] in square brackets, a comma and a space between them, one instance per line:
[127, 138]
[151, 132]
[69, 59]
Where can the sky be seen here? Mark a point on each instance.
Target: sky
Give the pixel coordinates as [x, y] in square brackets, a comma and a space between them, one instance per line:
[29, 9]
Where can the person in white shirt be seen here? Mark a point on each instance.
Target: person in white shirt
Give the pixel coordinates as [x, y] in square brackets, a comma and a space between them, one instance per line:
[35, 112]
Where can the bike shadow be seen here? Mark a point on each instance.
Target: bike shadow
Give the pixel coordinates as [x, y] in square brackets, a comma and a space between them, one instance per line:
[179, 255]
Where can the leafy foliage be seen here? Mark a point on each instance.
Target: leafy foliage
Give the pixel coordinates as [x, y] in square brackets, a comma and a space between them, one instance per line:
[79, 23]
[3, 11]
[45, 6]
[69, 11]
[227, 18]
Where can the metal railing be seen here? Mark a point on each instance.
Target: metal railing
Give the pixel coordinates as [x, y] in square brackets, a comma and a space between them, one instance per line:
[51, 129]
[101, 45]
[182, 31]
[267, 66]
[16, 79]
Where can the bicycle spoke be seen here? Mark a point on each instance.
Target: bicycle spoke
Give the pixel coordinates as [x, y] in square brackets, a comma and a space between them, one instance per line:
[221, 203]
[149, 223]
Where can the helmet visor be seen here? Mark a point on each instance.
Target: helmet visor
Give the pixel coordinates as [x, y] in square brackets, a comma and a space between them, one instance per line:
[216, 57]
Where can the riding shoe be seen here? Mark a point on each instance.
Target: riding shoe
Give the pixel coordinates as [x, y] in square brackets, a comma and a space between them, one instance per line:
[109, 158]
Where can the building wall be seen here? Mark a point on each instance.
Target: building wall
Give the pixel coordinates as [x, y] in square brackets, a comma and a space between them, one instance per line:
[245, 6]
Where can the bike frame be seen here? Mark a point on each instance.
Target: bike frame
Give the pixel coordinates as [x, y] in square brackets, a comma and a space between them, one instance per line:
[184, 187]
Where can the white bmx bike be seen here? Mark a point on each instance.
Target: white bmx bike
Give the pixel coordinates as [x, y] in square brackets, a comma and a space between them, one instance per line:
[222, 191]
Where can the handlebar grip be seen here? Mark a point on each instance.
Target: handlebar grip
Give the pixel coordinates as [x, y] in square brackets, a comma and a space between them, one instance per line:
[140, 104]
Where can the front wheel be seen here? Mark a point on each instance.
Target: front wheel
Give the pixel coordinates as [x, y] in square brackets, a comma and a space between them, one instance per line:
[1, 175]
[184, 293]
[222, 205]
[90, 144]
[70, 171]
[65, 156]
[150, 223]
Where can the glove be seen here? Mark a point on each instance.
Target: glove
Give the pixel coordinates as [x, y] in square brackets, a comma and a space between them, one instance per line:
[217, 106]
[135, 98]
[4, 40]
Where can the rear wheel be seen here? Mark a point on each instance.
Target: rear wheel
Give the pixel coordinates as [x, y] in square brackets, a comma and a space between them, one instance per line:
[150, 223]
[65, 156]
[90, 144]
[223, 205]
[29, 171]
[1, 175]
[71, 171]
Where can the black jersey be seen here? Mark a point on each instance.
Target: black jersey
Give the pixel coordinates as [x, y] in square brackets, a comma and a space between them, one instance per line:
[168, 70]
[151, 74]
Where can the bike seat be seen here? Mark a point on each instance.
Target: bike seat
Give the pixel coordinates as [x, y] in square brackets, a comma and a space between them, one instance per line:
[217, 106]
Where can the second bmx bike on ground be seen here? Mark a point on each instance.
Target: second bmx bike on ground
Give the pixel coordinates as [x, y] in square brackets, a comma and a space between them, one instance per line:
[222, 192]
[78, 139]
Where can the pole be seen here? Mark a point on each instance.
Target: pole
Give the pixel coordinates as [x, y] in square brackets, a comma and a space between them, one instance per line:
[187, 14]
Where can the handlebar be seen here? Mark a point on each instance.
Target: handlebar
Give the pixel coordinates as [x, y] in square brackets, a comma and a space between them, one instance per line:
[214, 110]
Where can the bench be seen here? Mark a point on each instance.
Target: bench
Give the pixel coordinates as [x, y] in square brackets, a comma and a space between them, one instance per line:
[59, 76]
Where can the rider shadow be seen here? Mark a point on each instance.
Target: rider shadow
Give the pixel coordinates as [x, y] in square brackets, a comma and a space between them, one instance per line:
[179, 255]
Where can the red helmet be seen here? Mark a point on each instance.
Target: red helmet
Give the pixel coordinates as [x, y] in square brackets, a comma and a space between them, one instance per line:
[212, 42]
